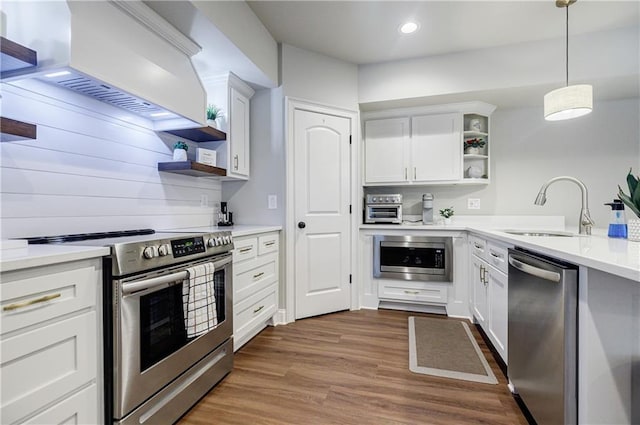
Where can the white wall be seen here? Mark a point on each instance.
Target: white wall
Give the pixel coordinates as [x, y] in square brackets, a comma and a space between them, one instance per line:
[526, 151]
[248, 199]
[318, 78]
[596, 58]
[598, 149]
[90, 170]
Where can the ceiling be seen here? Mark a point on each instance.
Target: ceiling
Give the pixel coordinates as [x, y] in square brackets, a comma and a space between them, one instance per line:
[364, 32]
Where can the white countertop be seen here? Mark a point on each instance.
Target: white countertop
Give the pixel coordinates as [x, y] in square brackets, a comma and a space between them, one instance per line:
[236, 230]
[615, 256]
[42, 255]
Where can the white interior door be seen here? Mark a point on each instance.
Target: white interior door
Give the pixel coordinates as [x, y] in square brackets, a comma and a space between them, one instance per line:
[322, 197]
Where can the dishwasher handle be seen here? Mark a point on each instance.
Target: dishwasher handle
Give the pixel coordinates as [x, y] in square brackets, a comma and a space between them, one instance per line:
[533, 270]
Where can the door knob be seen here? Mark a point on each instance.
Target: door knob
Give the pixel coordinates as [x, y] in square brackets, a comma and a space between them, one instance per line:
[302, 224]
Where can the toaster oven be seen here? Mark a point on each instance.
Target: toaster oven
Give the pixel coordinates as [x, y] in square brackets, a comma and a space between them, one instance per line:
[385, 209]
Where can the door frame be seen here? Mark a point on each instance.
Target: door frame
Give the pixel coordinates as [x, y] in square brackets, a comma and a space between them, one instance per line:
[291, 105]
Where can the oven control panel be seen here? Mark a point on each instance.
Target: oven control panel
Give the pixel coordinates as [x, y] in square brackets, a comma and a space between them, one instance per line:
[188, 246]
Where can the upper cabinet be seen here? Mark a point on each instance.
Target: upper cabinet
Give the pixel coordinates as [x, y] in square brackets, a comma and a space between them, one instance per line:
[435, 147]
[386, 143]
[424, 146]
[233, 96]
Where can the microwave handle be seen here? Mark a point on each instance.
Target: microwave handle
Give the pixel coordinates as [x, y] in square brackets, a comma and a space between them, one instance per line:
[129, 288]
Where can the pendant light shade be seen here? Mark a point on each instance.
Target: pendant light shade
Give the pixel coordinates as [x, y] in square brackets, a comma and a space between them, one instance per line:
[570, 101]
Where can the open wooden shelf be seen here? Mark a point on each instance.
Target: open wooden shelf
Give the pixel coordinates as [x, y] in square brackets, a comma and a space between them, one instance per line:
[16, 56]
[201, 134]
[12, 130]
[191, 168]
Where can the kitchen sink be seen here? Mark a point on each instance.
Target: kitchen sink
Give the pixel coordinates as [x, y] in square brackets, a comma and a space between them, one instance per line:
[539, 233]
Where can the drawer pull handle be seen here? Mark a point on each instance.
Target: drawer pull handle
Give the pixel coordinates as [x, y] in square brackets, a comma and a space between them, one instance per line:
[31, 302]
[258, 309]
[269, 243]
[411, 292]
[478, 246]
[243, 250]
[495, 255]
[255, 276]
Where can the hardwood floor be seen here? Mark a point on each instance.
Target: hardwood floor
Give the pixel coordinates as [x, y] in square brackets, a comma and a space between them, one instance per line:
[347, 368]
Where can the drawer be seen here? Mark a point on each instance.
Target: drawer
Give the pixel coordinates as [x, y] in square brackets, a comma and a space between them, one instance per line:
[478, 246]
[497, 256]
[418, 292]
[247, 281]
[268, 243]
[254, 311]
[36, 295]
[245, 249]
[43, 365]
[82, 407]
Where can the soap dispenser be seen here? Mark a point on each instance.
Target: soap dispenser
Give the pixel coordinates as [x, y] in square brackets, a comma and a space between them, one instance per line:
[618, 223]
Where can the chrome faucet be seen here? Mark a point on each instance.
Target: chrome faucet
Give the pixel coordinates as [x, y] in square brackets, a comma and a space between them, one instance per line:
[585, 218]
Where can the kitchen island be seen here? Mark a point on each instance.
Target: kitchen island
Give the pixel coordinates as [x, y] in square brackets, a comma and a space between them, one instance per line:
[608, 305]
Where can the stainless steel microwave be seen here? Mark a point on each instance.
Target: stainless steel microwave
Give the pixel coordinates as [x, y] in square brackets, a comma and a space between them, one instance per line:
[413, 258]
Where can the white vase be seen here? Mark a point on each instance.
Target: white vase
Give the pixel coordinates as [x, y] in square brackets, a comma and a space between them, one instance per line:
[179, 155]
[212, 123]
[447, 220]
[474, 172]
[633, 230]
[472, 151]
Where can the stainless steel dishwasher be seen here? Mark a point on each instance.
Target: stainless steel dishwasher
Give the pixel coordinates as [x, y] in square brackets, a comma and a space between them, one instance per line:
[542, 336]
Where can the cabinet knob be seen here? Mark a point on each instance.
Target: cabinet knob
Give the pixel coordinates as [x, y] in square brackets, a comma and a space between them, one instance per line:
[302, 224]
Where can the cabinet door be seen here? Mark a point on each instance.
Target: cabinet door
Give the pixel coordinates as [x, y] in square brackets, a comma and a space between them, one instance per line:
[239, 134]
[480, 299]
[386, 145]
[498, 313]
[436, 147]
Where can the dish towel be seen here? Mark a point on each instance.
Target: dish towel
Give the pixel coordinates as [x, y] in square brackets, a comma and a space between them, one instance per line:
[199, 301]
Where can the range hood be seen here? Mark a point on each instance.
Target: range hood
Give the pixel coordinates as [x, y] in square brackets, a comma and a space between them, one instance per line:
[119, 52]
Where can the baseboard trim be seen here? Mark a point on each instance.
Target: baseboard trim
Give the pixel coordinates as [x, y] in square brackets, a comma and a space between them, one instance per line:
[501, 364]
[434, 309]
[279, 318]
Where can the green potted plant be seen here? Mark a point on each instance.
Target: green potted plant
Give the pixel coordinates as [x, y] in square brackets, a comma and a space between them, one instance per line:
[633, 202]
[180, 151]
[213, 113]
[474, 146]
[447, 213]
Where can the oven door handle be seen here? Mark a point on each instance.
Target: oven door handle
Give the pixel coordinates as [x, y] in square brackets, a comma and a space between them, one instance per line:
[129, 288]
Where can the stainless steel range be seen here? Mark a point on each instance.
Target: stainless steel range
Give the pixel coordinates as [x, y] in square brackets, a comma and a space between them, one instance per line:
[168, 320]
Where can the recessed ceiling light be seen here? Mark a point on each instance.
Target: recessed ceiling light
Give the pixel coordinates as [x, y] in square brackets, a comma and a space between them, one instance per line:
[409, 27]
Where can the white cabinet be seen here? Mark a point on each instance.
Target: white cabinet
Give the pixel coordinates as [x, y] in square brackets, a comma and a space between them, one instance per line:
[418, 150]
[50, 341]
[480, 291]
[255, 284]
[239, 115]
[488, 277]
[386, 145]
[435, 148]
[438, 144]
[233, 96]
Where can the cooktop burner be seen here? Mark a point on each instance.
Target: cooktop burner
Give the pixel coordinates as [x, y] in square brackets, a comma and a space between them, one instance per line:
[88, 236]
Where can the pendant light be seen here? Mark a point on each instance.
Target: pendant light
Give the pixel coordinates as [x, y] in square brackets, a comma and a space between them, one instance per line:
[570, 101]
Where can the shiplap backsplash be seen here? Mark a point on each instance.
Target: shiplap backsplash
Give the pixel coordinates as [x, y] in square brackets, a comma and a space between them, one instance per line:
[91, 170]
